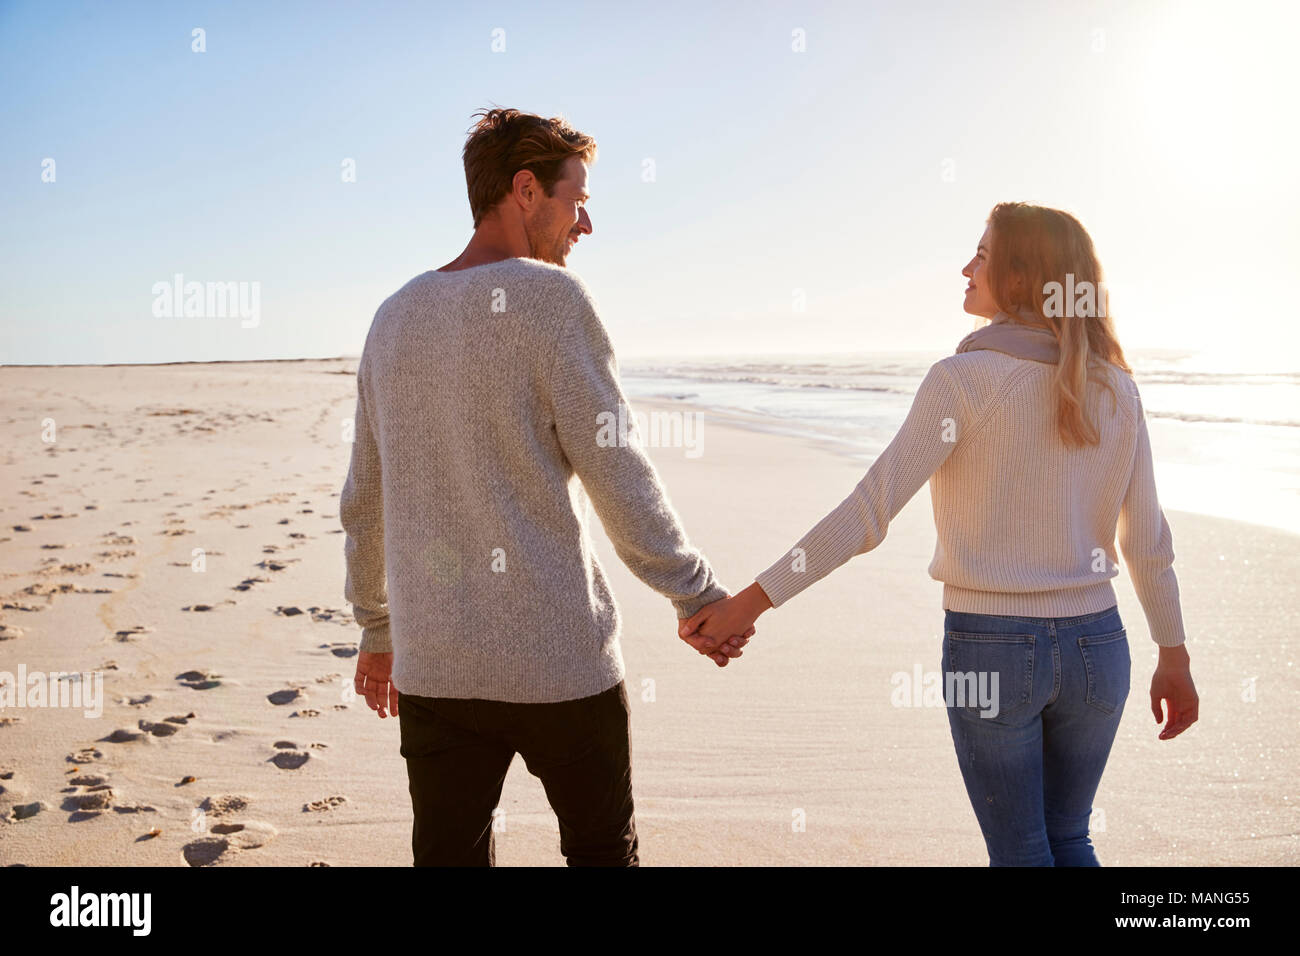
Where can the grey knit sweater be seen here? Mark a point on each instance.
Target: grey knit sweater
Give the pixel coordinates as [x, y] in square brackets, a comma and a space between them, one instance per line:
[479, 401]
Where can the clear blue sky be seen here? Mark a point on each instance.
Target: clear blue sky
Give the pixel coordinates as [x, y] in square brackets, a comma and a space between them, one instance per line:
[1168, 127]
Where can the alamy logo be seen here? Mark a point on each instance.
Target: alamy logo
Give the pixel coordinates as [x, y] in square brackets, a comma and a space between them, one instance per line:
[1081, 300]
[977, 689]
[55, 689]
[179, 299]
[102, 909]
[658, 430]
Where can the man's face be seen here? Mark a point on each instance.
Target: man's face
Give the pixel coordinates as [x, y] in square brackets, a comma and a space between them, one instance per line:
[559, 219]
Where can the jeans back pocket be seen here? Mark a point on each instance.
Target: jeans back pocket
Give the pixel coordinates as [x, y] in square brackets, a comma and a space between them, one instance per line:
[989, 676]
[1107, 665]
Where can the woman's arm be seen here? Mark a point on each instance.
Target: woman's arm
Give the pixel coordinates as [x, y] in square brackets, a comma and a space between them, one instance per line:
[934, 427]
[1148, 545]
[1148, 548]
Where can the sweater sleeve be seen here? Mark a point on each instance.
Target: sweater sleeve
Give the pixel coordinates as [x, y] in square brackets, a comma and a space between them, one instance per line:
[624, 488]
[936, 424]
[361, 511]
[1148, 545]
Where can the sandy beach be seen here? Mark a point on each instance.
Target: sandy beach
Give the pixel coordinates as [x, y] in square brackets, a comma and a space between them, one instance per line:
[180, 536]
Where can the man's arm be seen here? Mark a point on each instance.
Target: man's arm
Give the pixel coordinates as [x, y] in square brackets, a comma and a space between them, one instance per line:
[620, 480]
[361, 511]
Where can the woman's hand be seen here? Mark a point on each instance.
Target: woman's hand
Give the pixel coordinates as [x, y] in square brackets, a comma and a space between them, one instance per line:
[1172, 682]
[713, 625]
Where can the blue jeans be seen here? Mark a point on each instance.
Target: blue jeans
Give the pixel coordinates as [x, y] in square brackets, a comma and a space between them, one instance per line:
[1034, 704]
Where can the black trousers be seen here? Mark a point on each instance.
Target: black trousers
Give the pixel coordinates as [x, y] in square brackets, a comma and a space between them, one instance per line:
[458, 751]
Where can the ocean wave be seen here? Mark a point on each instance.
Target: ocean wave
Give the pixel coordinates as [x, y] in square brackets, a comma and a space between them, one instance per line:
[774, 380]
[1222, 419]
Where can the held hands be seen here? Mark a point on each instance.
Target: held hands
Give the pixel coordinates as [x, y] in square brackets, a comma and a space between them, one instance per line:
[724, 627]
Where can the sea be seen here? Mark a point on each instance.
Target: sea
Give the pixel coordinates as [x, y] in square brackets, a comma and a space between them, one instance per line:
[1225, 436]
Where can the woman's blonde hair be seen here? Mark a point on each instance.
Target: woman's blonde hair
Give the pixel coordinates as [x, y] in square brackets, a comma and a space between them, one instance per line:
[1039, 258]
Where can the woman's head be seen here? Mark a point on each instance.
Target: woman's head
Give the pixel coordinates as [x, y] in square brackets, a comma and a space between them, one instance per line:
[1038, 266]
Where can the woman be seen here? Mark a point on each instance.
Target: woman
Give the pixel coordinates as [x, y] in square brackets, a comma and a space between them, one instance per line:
[1034, 442]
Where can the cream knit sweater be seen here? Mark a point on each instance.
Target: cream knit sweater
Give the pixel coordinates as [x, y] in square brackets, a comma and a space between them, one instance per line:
[1026, 526]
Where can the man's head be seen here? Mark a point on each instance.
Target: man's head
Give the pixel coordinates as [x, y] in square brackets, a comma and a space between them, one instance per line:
[526, 171]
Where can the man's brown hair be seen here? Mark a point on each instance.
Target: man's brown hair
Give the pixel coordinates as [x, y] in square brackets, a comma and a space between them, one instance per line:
[504, 141]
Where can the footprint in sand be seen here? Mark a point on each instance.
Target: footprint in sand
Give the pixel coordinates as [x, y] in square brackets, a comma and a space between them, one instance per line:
[90, 795]
[286, 696]
[199, 680]
[322, 805]
[121, 736]
[227, 840]
[88, 780]
[85, 755]
[25, 811]
[8, 632]
[332, 615]
[341, 649]
[19, 606]
[66, 568]
[224, 804]
[88, 805]
[12, 799]
[48, 591]
[306, 712]
[248, 583]
[270, 565]
[132, 632]
[288, 757]
[161, 729]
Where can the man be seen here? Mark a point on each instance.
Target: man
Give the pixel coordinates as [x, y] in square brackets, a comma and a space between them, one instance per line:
[488, 626]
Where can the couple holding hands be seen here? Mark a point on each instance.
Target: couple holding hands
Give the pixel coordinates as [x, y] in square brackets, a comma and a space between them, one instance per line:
[488, 626]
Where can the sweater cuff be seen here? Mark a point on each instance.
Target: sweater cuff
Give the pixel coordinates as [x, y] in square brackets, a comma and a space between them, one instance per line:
[1167, 629]
[376, 640]
[782, 581]
[687, 608]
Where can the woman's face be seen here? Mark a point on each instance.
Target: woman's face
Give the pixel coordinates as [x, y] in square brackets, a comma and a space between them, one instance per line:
[979, 300]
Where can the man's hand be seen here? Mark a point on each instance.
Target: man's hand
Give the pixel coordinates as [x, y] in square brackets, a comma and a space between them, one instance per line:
[1172, 682]
[725, 626]
[372, 682]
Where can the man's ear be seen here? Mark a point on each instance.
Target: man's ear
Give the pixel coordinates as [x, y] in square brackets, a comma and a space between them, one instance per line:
[525, 188]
